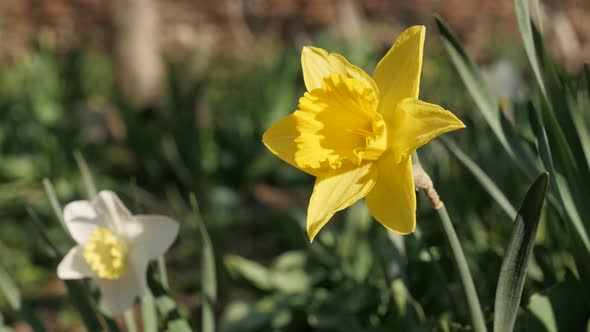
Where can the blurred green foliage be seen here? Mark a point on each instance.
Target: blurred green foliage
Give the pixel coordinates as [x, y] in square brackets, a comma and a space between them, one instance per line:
[204, 137]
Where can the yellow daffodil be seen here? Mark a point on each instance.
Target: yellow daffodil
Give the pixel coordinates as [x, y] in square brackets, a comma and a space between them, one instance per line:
[356, 133]
[114, 247]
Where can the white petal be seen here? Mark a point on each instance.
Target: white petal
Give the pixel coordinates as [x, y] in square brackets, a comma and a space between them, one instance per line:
[110, 208]
[73, 265]
[140, 266]
[119, 295]
[151, 235]
[81, 220]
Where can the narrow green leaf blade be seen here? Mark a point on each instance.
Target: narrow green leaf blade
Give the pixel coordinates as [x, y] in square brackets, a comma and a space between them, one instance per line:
[521, 8]
[559, 308]
[10, 290]
[148, 313]
[486, 182]
[559, 187]
[208, 273]
[173, 320]
[480, 91]
[79, 297]
[89, 184]
[520, 247]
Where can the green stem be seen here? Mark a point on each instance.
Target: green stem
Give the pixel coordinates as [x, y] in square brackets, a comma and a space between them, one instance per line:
[162, 271]
[130, 320]
[461, 265]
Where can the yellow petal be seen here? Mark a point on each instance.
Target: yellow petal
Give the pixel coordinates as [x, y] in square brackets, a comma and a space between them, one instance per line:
[281, 140]
[317, 63]
[336, 125]
[398, 74]
[392, 202]
[416, 122]
[335, 192]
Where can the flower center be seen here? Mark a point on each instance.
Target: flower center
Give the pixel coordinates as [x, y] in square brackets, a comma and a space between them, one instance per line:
[106, 254]
[339, 125]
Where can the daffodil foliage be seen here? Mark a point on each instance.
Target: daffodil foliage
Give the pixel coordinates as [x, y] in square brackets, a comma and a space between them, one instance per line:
[355, 133]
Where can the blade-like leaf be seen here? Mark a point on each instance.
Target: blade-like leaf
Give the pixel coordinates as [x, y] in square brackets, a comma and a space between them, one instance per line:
[559, 187]
[173, 321]
[79, 298]
[520, 247]
[521, 8]
[488, 184]
[89, 185]
[208, 275]
[559, 308]
[481, 92]
[10, 290]
[148, 313]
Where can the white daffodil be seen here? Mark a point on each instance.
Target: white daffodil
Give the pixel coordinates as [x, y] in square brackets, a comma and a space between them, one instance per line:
[114, 247]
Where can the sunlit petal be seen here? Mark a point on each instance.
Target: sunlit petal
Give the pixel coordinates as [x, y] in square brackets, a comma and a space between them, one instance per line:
[334, 193]
[398, 74]
[151, 235]
[120, 294]
[110, 208]
[281, 138]
[317, 64]
[392, 201]
[417, 122]
[73, 265]
[81, 220]
[334, 125]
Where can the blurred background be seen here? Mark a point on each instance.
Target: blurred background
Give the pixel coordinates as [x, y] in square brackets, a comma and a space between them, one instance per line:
[167, 98]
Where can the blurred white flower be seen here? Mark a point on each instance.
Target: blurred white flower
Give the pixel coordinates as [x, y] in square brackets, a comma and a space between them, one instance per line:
[114, 247]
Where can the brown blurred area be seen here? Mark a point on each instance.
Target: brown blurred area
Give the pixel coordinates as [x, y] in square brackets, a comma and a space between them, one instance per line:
[145, 33]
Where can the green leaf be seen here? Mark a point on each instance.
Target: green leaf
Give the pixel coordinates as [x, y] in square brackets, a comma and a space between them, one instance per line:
[208, 274]
[486, 182]
[521, 9]
[486, 100]
[252, 272]
[79, 297]
[246, 316]
[10, 290]
[53, 200]
[148, 313]
[463, 269]
[559, 308]
[559, 187]
[89, 185]
[515, 263]
[480, 91]
[129, 318]
[173, 321]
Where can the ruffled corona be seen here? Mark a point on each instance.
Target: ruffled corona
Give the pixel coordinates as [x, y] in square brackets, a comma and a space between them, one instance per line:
[339, 125]
[106, 254]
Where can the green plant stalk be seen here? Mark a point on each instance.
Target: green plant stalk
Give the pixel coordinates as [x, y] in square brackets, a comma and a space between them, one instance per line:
[463, 269]
[130, 320]
[148, 313]
[163, 272]
[208, 273]
[422, 181]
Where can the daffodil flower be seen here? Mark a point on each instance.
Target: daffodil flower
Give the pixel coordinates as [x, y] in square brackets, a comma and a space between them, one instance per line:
[356, 133]
[114, 247]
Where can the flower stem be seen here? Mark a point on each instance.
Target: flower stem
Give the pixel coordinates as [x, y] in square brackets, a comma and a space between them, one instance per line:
[130, 320]
[163, 272]
[423, 181]
[463, 269]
